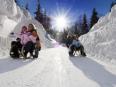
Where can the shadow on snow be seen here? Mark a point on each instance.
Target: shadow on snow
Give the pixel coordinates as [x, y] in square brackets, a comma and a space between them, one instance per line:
[9, 64]
[95, 71]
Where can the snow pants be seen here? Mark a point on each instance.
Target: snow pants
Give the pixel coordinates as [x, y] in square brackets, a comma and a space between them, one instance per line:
[30, 47]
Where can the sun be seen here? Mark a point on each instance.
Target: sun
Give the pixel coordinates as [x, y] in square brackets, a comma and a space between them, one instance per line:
[61, 22]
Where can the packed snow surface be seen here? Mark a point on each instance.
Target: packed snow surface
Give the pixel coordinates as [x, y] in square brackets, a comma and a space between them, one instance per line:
[54, 68]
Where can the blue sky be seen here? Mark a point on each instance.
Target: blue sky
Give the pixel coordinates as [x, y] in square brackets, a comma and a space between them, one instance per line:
[75, 7]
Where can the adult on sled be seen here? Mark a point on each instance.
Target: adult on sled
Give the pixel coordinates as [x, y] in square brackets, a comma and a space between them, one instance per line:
[76, 46]
[33, 45]
[36, 43]
[69, 40]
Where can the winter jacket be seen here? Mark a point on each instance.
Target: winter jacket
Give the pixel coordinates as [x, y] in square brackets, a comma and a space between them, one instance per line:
[24, 38]
[32, 38]
[76, 43]
[35, 40]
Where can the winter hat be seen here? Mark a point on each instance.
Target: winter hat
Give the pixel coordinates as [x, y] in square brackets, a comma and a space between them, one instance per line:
[24, 29]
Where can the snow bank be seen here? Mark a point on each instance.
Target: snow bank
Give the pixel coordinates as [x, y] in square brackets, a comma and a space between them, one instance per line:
[12, 18]
[100, 42]
[45, 42]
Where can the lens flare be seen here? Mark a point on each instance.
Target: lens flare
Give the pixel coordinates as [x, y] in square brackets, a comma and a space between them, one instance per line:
[61, 20]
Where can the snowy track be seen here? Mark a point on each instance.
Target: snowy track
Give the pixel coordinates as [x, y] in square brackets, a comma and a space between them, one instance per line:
[54, 68]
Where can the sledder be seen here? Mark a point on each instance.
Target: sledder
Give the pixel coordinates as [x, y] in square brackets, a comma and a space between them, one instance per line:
[34, 42]
[16, 50]
[76, 46]
[29, 41]
[33, 46]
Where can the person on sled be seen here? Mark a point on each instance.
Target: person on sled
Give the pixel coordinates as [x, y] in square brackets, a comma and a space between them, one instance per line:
[24, 36]
[76, 46]
[27, 42]
[33, 43]
[69, 40]
[16, 46]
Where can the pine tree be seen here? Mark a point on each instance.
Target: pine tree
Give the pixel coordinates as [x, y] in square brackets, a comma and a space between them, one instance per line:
[27, 6]
[42, 17]
[84, 25]
[46, 22]
[63, 36]
[78, 25]
[94, 18]
[17, 2]
[77, 28]
[112, 4]
[38, 13]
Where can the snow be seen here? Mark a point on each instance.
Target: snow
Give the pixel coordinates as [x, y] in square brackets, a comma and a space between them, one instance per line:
[8, 7]
[100, 42]
[54, 67]
[12, 18]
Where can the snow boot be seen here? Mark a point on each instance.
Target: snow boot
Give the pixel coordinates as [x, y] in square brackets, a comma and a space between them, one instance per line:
[14, 52]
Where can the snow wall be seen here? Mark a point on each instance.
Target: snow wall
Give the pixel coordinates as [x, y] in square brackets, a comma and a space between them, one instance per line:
[12, 18]
[100, 42]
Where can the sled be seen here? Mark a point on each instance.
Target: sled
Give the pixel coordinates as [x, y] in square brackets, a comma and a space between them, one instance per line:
[77, 53]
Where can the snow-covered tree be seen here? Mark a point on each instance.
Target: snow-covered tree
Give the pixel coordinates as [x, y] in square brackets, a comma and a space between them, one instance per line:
[38, 13]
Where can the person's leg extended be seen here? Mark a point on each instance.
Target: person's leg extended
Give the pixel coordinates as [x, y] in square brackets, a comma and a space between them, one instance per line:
[36, 53]
[29, 47]
[71, 50]
[82, 51]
